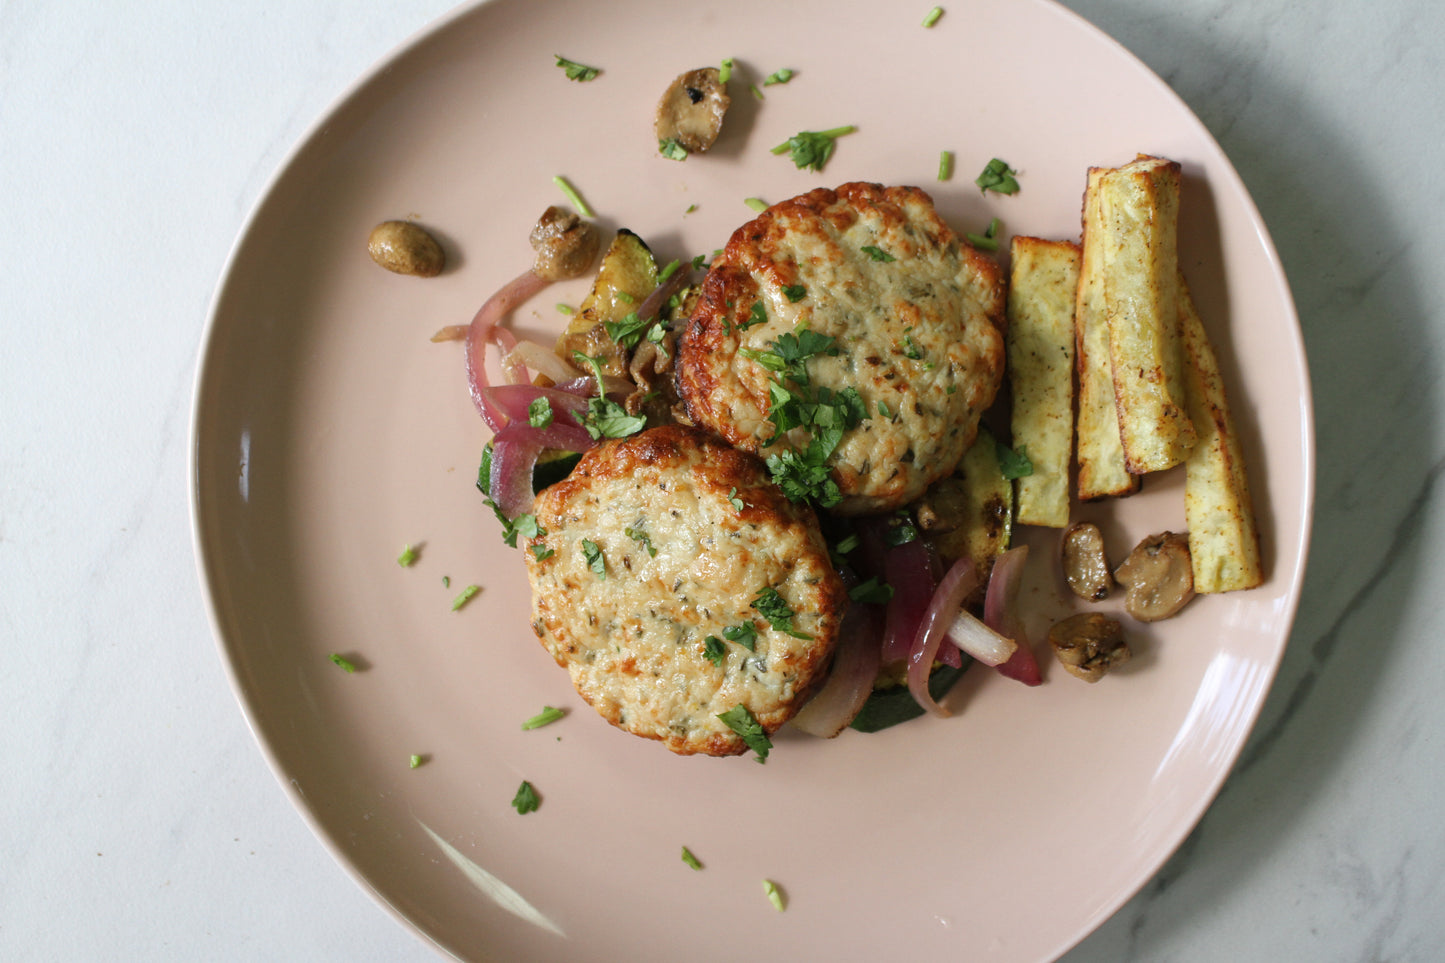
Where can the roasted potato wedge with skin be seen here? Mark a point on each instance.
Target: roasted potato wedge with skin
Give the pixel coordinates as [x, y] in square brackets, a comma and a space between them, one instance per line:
[1139, 221]
[627, 276]
[1100, 451]
[1040, 353]
[1223, 538]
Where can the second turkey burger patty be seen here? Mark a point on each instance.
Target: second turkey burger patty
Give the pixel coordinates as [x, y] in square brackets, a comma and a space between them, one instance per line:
[916, 318]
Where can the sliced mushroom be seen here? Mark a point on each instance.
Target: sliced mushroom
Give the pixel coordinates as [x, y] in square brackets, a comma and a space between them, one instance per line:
[691, 113]
[1086, 568]
[565, 244]
[1158, 576]
[1088, 645]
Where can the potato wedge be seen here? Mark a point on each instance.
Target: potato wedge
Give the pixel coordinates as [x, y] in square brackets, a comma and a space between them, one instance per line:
[627, 276]
[1139, 217]
[1223, 538]
[1100, 450]
[1040, 357]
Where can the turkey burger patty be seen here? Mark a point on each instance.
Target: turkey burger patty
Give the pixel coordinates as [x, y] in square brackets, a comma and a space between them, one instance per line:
[675, 582]
[915, 316]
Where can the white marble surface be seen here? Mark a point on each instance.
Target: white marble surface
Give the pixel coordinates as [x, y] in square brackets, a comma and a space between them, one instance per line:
[138, 819]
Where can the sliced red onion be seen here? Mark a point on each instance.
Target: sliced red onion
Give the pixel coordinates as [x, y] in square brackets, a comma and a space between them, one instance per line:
[850, 682]
[651, 305]
[561, 434]
[908, 569]
[999, 613]
[483, 331]
[510, 484]
[541, 359]
[960, 579]
[978, 640]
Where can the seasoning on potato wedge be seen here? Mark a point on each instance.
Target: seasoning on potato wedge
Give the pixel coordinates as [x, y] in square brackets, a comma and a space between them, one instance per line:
[1223, 539]
[1100, 451]
[1138, 215]
[1040, 357]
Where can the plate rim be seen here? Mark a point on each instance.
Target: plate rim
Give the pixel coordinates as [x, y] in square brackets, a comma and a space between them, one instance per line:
[202, 540]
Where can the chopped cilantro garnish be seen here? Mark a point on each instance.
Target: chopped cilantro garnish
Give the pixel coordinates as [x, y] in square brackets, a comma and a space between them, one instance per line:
[628, 331]
[699, 260]
[539, 413]
[883, 411]
[757, 314]
[690, 859]
[737, 502]
[407, 556]
[546, 717]
[725, 71]
[773, 607]
[794, 292]
[714, 651]
[343, 661]
[945, 165]
[932, 16]
[541, 552]
[607, 419]
[527, 527]
[670, 148]
[810, 149]
[446, 581]
[690, 208]
[571, 193]
[910, 348]
[468, 593]
[1013, 463]
[576, 71]
[988, 240]
[871, 591]
[640, 536]
[775, 895]
[902, 531]
[741, 720]
[877, 253]
[743, 634]
[997, 176]
[803, 479]
[592, 555]
[778, 77]
[526, 800]
[756, 203]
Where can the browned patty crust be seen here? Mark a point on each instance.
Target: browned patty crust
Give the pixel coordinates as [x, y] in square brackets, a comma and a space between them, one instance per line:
[917, 317]
[653, 545]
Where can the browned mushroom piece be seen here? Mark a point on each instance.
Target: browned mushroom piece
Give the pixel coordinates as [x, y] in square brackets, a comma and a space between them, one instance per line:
[1089, 644]
[1158, 576]
[565, 244]
[1086, 568]
[691, 111]
[405, 248]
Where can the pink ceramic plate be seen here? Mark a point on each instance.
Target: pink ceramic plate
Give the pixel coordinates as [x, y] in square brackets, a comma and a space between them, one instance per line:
[329, 432]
